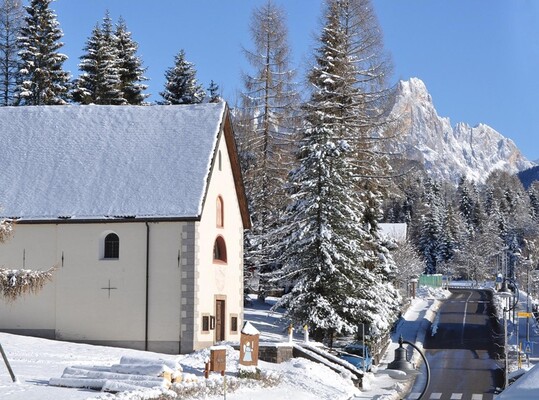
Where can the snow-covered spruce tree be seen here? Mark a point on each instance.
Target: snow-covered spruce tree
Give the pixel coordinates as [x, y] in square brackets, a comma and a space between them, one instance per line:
[403, 197]
[213, 91]
[265, 126]
[181, 86]
[11, 20]
[100, 81]
[466, 205]
[511, 207]
[533, 193]
[511, 198]
[470, 206]
[338, 269]
[438, 228]
[42, 81]
[130, 66]
[367, 121]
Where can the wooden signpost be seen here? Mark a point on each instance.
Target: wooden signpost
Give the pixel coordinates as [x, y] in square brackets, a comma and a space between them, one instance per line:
[249, 340]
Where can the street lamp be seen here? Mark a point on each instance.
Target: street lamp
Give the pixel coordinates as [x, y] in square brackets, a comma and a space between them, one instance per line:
[506, 293]
[528, 265]
[401, 362]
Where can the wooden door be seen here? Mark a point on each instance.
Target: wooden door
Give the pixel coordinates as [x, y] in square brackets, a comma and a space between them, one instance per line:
[219, 320]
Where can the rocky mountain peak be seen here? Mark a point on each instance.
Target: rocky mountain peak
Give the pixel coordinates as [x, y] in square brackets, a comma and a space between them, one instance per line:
[414, 89]
[448, 152]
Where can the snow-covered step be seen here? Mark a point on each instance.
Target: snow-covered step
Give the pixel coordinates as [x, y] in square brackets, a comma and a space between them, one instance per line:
[78, 382]
[144, 369]
[172, 364]
[131, 373]
[100, 383]
[71, 372]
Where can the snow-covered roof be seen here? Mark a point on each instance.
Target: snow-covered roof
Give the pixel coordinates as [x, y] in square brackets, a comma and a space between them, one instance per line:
[86, 162]
[249, 329]
[525, 388]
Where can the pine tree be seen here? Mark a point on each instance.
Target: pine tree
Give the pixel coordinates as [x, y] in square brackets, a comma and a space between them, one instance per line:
[265, 126]
[100, 82]
[366, 118]
[513, 203]
[534, 201]
[11, 20]
[213, 90]
[466, 206]
[338, 267]
[451, 236]
[372, 102]
[431, 227]
[181, 86]
[42, 79]
[130, 66]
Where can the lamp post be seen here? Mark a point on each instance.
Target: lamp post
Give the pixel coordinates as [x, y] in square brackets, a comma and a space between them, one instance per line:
[506, 293]
[401, 363]
[528, 264]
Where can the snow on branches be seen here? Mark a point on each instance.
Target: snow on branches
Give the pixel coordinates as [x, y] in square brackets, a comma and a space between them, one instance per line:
[6, 230]
[16, 282]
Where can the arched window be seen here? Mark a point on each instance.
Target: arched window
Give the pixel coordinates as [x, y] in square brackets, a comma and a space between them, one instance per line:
[220, 211]
[219, 250]
[112, 246]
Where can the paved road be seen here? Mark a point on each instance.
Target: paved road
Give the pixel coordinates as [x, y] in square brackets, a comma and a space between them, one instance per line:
[462, 351]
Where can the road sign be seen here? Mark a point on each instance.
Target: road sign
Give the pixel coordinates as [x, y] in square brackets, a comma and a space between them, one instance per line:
[527, 347]
[523, 314]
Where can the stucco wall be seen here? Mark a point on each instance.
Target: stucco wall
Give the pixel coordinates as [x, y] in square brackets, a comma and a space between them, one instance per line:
[225, 280]
[78, 305]
[39, 313]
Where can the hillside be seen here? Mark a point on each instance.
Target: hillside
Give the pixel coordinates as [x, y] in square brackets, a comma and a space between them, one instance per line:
[528, 176]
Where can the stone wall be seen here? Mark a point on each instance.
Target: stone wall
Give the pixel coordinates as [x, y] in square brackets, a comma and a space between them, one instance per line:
[274, 353]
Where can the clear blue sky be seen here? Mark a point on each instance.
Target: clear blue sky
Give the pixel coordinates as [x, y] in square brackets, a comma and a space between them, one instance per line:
[478, 58]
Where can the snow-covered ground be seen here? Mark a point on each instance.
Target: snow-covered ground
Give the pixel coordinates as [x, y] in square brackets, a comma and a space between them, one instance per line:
[35, 361]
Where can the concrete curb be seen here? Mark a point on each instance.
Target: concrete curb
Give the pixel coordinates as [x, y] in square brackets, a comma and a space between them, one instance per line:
[427, 319]
[430, 315]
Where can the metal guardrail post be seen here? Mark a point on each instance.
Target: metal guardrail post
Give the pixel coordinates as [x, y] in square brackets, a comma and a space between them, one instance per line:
[7, 364]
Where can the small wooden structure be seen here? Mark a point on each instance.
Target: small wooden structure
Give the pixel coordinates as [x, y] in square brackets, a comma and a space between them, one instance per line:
[249, 341]
[217, 361]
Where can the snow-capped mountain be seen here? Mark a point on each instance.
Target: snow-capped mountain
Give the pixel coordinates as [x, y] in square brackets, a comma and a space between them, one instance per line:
[448, 151]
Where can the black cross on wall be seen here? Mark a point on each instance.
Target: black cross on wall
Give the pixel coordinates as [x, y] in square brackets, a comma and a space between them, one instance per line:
[109, 288]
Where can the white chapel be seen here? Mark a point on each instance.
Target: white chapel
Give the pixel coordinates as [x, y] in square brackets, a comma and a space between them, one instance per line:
[141, 209]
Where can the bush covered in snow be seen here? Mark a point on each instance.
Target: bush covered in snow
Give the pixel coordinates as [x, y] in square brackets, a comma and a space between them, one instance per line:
[215, 386]
[200, 388]
[15, 282]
